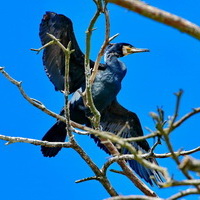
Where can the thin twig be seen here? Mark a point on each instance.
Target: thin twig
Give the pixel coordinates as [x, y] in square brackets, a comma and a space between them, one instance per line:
[56, 41]
[146, 155]
[183, 193]
[167, 155]
[151, 151]
[173, 183]
[185, 117]
[165, 133]
[175, 156]
[87, 179]
[101, 177]
[177, 107]
[95, 119]
[67, 53]
[117, 171]
[43, 47]
[139, 138]
[12, 140]
[105, 43]
[175, 125]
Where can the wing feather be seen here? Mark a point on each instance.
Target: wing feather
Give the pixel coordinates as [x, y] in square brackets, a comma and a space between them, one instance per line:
[53, 57]
[119, 120]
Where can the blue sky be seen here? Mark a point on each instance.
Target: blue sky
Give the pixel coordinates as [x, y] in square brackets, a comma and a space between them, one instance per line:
[152, 78]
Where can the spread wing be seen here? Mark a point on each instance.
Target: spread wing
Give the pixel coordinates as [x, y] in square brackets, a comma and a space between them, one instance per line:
[117, 119]
[53, 57]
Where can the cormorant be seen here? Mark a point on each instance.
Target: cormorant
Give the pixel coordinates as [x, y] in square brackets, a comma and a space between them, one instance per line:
[104, 90]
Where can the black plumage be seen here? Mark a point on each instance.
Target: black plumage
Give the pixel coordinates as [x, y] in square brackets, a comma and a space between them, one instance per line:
[115, 118]
[53, 57]
[104, 90]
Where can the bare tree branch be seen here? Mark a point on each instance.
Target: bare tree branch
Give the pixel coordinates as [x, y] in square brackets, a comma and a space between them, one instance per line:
[182, 182]
[161, 16]
[147, 155]
[167, 155]
[186, 165]
[105, 135]
[187, 116]
[101, 134]
[101, 177]
[112, 149]
[87, 179]
[177, 107]
[87, 96]
[134, 197]
[183, 193]
[105, 182]
[12, 140]
[139, 138]
[67, 53]
[105, 43]
[189, 163]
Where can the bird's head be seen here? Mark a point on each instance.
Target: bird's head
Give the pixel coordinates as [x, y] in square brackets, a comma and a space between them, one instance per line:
[123, 49]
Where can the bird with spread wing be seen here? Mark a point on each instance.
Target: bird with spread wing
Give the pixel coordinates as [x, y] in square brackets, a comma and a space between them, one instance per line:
[105, 88]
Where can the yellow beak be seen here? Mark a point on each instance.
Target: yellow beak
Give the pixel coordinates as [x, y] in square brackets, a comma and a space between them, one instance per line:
[129, 50]
[136, 50]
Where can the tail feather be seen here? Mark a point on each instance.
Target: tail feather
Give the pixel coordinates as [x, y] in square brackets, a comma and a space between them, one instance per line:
[149, 175]
[57, 133]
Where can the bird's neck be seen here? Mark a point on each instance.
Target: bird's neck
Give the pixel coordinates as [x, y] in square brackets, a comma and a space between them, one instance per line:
[115, 65]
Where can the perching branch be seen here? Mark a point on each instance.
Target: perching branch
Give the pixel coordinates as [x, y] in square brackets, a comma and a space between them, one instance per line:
[95, 119]
[89, 80]
[107, 40]
[147, 155]
[67, 53]
[105, 182]
[99, 175]
[102, 134]
[12, 140]
[186, 116]
[129, 172]
[165, 133]
[176, 124]
[186, 165]
[183, 194]
[189, 163]
[161, 16]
